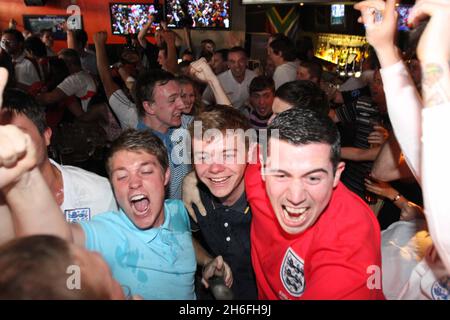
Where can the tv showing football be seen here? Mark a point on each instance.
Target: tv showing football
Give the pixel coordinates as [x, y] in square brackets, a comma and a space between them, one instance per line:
[337, 14]
[198, 14]
[35, 23]
[128, 18]
[403, 14]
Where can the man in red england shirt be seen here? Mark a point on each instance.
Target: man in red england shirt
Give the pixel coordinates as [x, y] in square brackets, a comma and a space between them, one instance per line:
[311, 237]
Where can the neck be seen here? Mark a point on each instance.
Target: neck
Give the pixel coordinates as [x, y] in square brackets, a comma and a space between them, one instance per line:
[53, 178]
[234, 195]
[239, 79]
[153, 123]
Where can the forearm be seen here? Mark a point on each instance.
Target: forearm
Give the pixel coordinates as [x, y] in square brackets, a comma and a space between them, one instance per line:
[201, 255]
[172, 64]
[142, 34]
[219, 93]
[6, 224]
[358, 154]
[187, 39]
[33, 208]
[435, 160]
[435, 82]
[105, 75]
[404, 106]
[70, 40]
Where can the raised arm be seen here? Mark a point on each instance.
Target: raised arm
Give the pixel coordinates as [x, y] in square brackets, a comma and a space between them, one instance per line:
[403, 101]
[433, 52]
[102, 64]
[169, 38]
[202, 71]
[143, 32]
[32, 206]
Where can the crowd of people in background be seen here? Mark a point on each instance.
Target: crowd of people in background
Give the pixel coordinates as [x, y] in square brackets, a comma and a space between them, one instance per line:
[177, 169]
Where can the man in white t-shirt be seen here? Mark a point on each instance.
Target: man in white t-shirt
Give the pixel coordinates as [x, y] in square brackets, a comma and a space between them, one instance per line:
[25, 72]
[235, 81]
[282, 52]
[79, 83]
[79, 193]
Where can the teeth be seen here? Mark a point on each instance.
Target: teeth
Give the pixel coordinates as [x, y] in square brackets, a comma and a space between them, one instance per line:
[218, 179]
[295, 210]
[137, 197]
[298, 218]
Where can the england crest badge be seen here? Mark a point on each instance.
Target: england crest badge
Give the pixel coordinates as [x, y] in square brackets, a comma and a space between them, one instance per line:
[292, 273]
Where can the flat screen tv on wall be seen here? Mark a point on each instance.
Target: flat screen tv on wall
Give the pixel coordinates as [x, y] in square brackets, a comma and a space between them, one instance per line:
[198, 14]
[129, 18]
[35, 23]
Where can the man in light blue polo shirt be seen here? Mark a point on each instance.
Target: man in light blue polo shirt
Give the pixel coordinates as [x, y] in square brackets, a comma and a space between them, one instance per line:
[147, 244]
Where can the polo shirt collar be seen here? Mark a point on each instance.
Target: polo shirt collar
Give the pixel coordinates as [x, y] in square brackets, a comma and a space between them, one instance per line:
[150, 234]
[240, 205]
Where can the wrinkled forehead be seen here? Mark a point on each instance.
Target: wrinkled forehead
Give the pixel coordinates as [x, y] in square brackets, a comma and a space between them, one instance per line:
[167, 89]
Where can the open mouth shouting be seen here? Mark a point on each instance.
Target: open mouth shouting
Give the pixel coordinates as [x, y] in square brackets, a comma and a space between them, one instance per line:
[140, 204]
[294, 216]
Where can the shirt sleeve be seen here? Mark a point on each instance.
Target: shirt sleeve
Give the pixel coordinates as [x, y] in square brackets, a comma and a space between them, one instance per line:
[436, 176]
[26, 73]
[404, 106]
[124, 109]
[71, 85]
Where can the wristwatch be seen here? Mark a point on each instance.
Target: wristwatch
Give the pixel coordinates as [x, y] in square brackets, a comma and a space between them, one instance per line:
[397, 197]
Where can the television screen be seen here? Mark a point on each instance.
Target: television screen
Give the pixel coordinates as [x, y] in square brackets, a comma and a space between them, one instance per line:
[35, 23]
[212, 14]
[128, 18]
[337, 14]
[403, 14]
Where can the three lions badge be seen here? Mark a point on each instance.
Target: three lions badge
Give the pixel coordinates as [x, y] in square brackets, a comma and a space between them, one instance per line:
[292, 273]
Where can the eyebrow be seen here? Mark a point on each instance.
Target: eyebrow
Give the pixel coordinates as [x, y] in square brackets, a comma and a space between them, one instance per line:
[319, 170]
[151, 163]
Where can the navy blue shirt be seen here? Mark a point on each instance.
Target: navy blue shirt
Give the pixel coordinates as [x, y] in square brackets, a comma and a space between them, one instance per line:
[226, 231]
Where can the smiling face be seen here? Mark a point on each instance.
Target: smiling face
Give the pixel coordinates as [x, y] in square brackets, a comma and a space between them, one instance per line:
[220, 164]
[188, 97]
[237, 63]
[299, 186]
[139, 184]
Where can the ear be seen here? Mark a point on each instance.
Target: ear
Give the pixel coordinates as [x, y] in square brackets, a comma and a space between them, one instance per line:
[167, 177]
[337, 176]
[47, 136]
[148, 107]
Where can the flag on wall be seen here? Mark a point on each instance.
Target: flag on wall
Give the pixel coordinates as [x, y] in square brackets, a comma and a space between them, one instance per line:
[286, 22]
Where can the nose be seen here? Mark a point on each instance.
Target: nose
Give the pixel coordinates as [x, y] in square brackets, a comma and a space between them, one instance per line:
[296, 193]
[135, 182]
[216, 168]
[180, 104]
